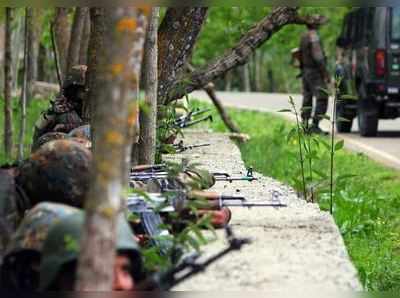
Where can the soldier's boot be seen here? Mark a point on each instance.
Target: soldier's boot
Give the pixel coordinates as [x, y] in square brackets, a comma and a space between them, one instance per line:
[305, 123]
[315, 129]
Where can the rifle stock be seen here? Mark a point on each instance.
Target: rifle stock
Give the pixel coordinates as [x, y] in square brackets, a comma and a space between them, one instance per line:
[190, 266]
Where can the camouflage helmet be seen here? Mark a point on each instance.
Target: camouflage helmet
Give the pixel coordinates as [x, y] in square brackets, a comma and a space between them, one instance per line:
[62, 247]
[84, 142]
[47, 137]
[26, 245]
[33, 229]
[57, 172]
[76, 77]
[81, 132]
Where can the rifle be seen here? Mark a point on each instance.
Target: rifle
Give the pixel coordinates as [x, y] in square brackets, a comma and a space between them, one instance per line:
[180, 147]
[148, 168]
[215, 201]
[189, 266]
[188, 117]
[150, 222]
[149, 206]
[177, 201]
[193, 122]
[163, 174]
[226, 177]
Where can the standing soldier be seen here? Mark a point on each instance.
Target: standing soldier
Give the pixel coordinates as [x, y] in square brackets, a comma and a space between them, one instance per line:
[65, 112]
[315, 75]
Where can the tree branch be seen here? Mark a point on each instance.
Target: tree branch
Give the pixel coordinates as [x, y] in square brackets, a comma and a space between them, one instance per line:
[239, 54]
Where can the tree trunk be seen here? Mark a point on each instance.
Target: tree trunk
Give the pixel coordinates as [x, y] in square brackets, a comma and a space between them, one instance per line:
[62, 32]
[117, 79]
[135, 134]
[31, 59]
[22, 129]
[83, 54]
[2, 54]
[148, 118]
[238, 55]
[17, 46]
[252, 71]
[36, 37]
[96, 43]
[271, 81]
[177, 36]
[228, 81]
[258, 70]
[8, 123]
[42, 57]
[76, 37]
[245, 74]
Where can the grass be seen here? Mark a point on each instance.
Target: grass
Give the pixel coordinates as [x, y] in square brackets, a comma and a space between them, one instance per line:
[33, 113]
[366, 206]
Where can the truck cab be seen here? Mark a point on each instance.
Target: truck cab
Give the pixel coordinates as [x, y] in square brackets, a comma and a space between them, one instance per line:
[368, 64]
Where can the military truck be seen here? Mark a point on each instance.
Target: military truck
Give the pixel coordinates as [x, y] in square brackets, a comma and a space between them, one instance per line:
[368, 61]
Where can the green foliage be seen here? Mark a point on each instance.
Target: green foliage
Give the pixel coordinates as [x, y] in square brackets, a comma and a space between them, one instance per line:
[367, 197]
[166, 128]
[187, 235]
[225, 26]
[71, 244]
[33, 112]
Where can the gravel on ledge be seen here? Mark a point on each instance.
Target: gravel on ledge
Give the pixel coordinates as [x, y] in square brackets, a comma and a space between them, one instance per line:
[298, 247]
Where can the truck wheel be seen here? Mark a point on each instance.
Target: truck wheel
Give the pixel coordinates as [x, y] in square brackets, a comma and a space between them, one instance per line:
[343, 126]
[367, 119]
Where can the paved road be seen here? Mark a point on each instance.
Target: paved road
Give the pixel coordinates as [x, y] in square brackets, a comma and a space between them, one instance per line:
[384, 148]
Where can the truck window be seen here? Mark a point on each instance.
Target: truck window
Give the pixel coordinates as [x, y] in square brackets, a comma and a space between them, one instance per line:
[395, 28]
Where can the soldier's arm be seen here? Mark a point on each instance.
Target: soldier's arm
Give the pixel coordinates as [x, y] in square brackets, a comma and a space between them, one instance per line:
[318, 53]
[67, 122]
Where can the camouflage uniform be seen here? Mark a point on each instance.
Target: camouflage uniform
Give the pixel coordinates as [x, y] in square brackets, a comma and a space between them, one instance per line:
[47, 137]
[314, 75]
[9, 215]
[64, 113]
[81, 132]
[52, 136]
[60, 251]
[23, 253]
[58, 172]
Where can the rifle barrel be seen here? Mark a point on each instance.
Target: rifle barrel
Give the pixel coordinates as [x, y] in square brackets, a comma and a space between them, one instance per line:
[182, 148]
[188, 116]
[234, 203]
[230, 179]
[193, 122]
[148, 168]
[198, 194]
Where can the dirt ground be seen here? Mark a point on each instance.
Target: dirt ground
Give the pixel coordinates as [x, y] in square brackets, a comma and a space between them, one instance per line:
[297, 247]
